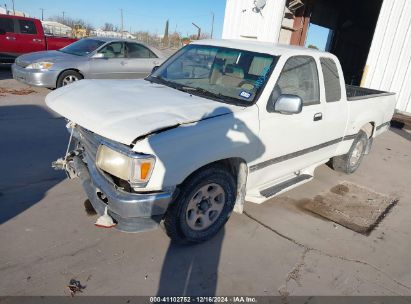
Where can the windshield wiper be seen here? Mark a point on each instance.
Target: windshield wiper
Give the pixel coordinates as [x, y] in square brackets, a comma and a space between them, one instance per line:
[205, 93]
[161, 80]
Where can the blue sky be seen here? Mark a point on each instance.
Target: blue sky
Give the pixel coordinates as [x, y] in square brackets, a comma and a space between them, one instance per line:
[138, 14]
[317, 35]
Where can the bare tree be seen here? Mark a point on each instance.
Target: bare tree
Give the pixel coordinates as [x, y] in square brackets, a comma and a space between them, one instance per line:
[202, 36]
[108, 27]
[72, 22]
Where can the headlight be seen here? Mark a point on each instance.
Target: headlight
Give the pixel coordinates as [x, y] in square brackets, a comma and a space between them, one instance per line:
[40, 65]
[135, 169]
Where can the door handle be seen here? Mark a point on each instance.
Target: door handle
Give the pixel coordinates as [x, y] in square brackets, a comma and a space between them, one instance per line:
[10, 38]
[155, 62]
[123, 62]
[318, 116]
[37, 40]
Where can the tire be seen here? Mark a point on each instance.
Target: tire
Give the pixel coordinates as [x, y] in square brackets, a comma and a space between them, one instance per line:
[68, 77]
[349, 163]
[202, 207]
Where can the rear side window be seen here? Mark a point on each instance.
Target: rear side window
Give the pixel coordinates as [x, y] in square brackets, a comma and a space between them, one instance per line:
[27, 27]
[331, 80]
[299, 77]
[136, 50]
[7, 25]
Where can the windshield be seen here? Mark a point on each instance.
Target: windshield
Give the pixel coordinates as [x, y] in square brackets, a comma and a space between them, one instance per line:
[82, 47]
[231, 75]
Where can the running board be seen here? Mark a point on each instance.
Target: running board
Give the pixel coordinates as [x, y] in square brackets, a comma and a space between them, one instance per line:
[284, 185]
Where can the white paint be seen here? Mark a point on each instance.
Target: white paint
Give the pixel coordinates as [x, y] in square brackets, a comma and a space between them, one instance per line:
[241, 20]
[123, 110]
[389, 59]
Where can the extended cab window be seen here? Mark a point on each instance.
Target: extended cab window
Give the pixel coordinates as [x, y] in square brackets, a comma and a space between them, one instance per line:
[331, 80]
[135, 50]
[7, 25]
[299, 77]
[27, 27]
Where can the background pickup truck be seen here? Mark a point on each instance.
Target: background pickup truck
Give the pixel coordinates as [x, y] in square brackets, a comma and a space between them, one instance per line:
[219, 123]
[20, 35]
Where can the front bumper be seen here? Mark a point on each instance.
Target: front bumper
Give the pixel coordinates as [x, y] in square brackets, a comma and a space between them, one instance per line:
[133, 212]
[37, 78]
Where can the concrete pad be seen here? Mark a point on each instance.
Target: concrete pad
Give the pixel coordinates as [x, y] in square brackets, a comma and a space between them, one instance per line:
[352, 206]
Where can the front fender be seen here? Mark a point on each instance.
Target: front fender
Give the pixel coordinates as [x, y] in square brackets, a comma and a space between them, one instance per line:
[181, 151]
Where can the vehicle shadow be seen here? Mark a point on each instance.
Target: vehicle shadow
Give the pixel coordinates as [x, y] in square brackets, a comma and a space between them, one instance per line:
[5, 71]
[31, 138]
[402, 132]
[193, 270]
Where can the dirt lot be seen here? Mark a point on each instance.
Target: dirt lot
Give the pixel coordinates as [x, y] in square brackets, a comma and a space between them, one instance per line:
[275, 248]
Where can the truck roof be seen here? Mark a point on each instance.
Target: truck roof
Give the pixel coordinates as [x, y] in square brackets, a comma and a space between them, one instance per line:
[275, 49]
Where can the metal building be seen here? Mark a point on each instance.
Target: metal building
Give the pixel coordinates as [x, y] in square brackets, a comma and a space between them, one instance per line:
[372, 38]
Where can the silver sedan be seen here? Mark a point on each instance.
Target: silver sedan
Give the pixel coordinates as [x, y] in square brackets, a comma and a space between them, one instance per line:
[94, 58]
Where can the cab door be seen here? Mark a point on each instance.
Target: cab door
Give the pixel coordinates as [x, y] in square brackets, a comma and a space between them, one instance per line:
[28, 37]
[292, 142]
[112, 64]
[336, 111]
[8, 43]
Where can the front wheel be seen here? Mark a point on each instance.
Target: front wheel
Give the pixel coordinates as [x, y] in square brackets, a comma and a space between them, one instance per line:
[349, 163]
[203, 206]
[68, 77]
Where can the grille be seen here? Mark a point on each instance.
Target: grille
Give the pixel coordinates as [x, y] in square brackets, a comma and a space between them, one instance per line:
[88, 141]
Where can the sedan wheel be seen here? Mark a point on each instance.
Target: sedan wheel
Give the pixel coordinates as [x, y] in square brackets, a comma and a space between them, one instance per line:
[69, 79]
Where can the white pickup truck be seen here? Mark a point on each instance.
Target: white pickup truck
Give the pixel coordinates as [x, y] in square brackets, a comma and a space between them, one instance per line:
[219, 123]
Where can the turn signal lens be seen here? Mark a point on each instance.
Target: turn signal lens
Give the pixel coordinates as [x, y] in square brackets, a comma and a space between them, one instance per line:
[144, 170]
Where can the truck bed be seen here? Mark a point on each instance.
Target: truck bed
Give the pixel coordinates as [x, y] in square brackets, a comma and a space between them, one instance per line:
[357, 93]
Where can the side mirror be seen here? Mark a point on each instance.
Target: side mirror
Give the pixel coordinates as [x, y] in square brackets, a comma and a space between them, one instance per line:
[288, 104]
[154, 69]
[2, 32]
[98, 55]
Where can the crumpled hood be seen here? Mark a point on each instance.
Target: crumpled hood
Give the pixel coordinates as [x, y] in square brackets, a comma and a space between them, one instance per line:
[122, 110]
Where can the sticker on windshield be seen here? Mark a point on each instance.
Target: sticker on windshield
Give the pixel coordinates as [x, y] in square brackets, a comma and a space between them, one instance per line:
[245, 94]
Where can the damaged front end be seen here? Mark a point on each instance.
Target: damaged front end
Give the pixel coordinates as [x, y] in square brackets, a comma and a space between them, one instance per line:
[133, 211]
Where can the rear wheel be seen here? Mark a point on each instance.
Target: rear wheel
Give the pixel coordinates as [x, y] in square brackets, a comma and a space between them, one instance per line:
[349, 163]
[68, 77]
[202, 207]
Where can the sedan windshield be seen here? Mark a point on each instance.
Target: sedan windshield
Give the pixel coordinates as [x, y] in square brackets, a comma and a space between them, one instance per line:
[82, 47]
[230, 75]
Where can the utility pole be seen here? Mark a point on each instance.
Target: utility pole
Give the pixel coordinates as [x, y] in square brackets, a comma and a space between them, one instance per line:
[42, 14]
[122, 24]
[198, 30]
[63, 14]
[14, 11]
[212, 24]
